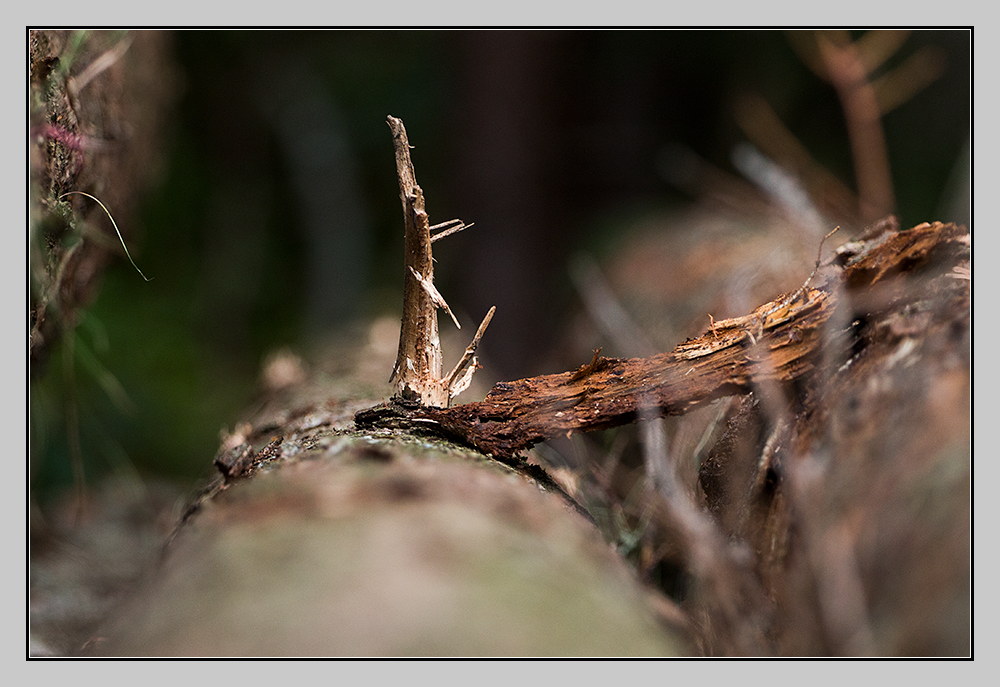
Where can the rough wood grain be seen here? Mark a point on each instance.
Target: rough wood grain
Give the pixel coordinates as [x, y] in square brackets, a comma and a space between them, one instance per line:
[778, 342]
[417, 372]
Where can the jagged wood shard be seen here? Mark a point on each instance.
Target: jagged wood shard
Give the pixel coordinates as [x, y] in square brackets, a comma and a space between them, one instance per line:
[417, 372]
[436, 298]
[453, 227]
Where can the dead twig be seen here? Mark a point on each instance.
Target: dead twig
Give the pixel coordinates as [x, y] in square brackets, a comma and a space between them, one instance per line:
[417, 372]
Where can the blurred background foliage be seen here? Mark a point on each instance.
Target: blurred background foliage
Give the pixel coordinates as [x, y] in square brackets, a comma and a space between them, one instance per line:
[275, 219]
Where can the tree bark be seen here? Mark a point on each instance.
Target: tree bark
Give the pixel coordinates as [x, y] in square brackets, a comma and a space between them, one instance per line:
[319, 539]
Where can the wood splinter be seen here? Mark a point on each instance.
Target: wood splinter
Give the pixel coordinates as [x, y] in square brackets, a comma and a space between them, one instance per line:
[417, 373]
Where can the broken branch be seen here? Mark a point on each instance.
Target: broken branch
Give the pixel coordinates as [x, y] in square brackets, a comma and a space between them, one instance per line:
[470, 351]
[780, 341]
[454, 226]
[417, 372]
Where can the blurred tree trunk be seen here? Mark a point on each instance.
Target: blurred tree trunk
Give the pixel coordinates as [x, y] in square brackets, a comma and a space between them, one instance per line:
[99, 110]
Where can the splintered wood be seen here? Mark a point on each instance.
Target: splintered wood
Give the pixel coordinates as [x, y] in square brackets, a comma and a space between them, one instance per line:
[780, 341]
[417, 372]
[609, 392]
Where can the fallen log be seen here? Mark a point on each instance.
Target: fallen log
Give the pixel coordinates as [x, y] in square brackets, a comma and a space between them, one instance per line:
[830, 518]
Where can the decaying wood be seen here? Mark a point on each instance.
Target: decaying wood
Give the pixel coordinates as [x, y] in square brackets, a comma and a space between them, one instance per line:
[843, 530]
[417, 372]
[779, 342]
[832, 517]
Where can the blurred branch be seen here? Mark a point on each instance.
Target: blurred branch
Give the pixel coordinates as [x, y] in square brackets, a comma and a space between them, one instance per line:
[847, 72]
[606, 310]
[873, 48]
[917, 72]
[765, 129]
[850, 67]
